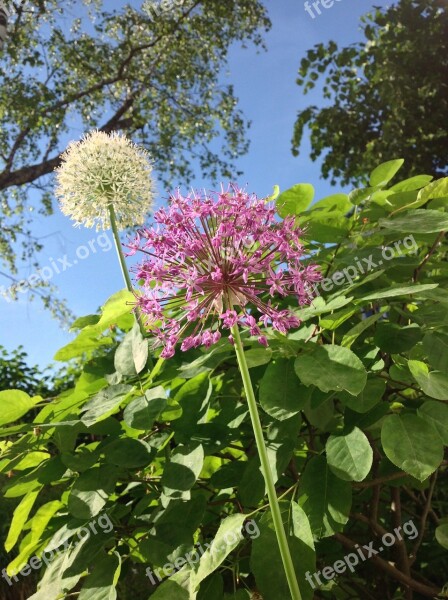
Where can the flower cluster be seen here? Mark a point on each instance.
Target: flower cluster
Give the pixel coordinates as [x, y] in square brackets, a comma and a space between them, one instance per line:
[103, 170]
[216, 260]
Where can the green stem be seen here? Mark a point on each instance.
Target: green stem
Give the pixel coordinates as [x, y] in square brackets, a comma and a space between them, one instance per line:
[124, 270]
[266, 469]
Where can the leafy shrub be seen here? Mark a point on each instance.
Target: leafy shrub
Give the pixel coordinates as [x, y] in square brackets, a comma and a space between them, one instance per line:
[354, 407]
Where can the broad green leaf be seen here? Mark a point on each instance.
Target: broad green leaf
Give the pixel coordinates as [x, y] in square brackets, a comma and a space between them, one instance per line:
[349, 456]
[105, 403]
[170, 590]
[182, 470]
[331, 367]
[393, 339]
[434, 383]
[368, 398]
[382, 174]
[84, 343]
[193, 398]
[336, 203]
[295, 200]
[91, 491]
[100, 584]
[256, 357]
[397, 291]
[266, 563]
[436, 413]
[19, 518]
[143, 411]
[14, 404]
[358, 195]
[140, 349]
[42, 517]
[281, 394]
[435, 344]
[212, 587]
[128, 453]
[413, 183]
[436, 189]
[227, 538]
[124, 359]
[117, 306]
[351, 336]
[325, 498]
[82, 322]
[411, 444]
[442, 535]
[417, 221]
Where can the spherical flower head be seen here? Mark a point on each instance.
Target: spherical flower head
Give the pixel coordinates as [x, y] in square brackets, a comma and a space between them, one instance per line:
[217, 260]
[105, 170]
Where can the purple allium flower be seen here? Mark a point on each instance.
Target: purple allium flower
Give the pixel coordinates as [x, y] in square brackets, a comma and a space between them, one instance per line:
[215, 260]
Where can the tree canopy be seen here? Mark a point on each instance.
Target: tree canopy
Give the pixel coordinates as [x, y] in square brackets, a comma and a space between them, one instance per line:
[388, 95]
[72, 66]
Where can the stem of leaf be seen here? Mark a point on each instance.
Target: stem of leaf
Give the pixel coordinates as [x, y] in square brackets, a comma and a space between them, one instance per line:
[266, 469]
[121, 260]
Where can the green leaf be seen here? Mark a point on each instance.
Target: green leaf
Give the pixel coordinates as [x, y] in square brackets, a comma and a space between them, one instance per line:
[351, 336]
[442, 535]
[295, 200]
[91, 490]
[436, 413]
[384, 172]
[417, 221]
[255, 357]
[397, 291]
[394, 339]
[212, 587]
[227, 538]
[140, 349]
[350, 456]
[435, 344]
[325, 498]
[124, 359]
[266, 563]
[368, 398]
[100, 584]
[170, 590]
[105, 403]
[143, 411]
[434, 383]
[358, 195]
[281, 394]
[413, 183]
[19, 518]
[117, 306]
[436, 189]
[84, 343]
[331, 367]
[410, 443]
[182, 470]
[128, 453]
[14, 404]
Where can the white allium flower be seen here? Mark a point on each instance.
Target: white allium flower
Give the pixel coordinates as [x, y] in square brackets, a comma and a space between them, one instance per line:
[103, 170]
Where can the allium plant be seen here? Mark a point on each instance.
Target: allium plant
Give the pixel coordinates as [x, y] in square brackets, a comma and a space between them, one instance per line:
[105, 180]
[215, 261]
[104, 170]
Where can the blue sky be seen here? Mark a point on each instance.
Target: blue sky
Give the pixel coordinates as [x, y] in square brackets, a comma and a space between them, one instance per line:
[265, 85]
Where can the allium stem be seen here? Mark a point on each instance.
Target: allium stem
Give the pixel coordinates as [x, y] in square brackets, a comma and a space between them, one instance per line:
[266, 469]
[121, 260]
